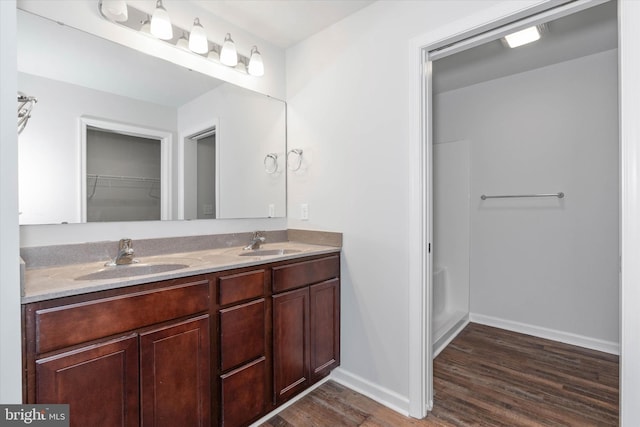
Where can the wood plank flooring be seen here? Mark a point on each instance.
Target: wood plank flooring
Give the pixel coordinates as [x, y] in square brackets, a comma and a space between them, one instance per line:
[486, 377]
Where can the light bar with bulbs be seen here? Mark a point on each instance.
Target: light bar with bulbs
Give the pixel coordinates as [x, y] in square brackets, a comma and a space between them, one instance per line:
[159, 26]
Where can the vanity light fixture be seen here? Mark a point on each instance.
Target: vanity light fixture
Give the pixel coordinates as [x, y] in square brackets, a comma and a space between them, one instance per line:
[195, 41]
[161, 23]
[256, 66]
[522, 37]
[198, 38]
[115, 10]
[229, 54]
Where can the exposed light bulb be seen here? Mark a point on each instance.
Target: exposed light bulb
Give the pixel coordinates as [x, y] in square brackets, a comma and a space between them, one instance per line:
[228, 54]
[114, 10]
[161, 23]
[522, 37]
[198, 38]
[256, 66]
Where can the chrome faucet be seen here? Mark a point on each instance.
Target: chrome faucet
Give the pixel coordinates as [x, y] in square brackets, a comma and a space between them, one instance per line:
[256, 241]
[125, 253]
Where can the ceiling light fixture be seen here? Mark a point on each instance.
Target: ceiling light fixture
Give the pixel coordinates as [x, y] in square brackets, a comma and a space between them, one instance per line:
[256, 66]
[114, 10]
[229, 54]
[522, 37]
[198, 38]
[161, 23]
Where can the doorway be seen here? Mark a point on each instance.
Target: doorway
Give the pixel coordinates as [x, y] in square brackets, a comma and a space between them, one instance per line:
[201, 181]
[130, 162]
[123, 177]
[537, 134]
[428, 45]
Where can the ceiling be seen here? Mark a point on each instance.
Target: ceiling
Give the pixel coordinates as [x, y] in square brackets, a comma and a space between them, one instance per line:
[580, 34]
[282, 22]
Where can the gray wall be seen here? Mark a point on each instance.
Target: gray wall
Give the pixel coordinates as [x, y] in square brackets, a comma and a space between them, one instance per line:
[123, 177]
[545, 263]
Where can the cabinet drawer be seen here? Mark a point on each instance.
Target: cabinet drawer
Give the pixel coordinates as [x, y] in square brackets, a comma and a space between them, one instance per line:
[304, 273]
[242, 334]
[243, 394]
[240, 287]
[72, 324]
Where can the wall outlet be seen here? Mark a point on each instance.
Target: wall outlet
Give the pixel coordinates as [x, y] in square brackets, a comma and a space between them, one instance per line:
[272, 210]
[304, 212]
[207, 209]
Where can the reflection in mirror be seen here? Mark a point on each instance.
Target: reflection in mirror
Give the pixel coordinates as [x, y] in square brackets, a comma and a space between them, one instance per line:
[217, 135]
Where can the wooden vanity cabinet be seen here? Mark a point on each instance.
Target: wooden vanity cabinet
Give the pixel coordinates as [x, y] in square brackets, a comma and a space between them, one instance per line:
[132, 357]
[306, 324]
[218, 349]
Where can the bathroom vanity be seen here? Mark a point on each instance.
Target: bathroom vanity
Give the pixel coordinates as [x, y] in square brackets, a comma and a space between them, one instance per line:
[224, 346]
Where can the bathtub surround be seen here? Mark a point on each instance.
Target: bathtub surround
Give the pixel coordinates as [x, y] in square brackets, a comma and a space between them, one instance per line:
[451, 240]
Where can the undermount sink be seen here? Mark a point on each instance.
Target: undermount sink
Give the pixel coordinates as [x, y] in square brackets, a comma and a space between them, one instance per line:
[120, 271]
[268, 252]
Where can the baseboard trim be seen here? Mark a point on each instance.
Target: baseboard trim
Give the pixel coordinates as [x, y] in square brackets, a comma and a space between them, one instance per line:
[386, 397]
[551, 334]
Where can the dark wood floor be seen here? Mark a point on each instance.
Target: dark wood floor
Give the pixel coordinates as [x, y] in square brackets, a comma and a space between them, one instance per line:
[486, 377]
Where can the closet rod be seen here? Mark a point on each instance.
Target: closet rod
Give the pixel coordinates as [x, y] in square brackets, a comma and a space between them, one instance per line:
[122, 178]
[510, 196]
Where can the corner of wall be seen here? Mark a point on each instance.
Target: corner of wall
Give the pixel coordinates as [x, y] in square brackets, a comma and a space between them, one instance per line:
[10, 331]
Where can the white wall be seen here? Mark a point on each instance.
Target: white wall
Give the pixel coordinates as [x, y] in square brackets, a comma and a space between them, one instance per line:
[10, 331]
[548, 263]
[348, 109]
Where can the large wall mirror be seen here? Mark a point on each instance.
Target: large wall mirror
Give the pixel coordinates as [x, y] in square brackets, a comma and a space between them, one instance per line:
[117, 135]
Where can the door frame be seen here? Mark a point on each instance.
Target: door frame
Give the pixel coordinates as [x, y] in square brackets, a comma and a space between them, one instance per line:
[420, 188]
[184, 136]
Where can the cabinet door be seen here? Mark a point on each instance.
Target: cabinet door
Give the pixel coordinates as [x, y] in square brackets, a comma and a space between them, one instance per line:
[290, 343]
[99, 382]
[324, 318]
[175, 374]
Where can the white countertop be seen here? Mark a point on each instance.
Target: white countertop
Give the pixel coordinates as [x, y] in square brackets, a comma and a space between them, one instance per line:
[60, 281]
